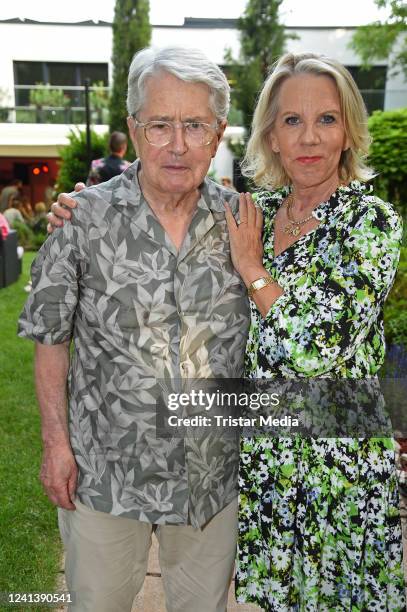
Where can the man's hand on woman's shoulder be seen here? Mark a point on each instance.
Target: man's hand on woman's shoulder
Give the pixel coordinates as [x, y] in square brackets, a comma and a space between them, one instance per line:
[60, 210]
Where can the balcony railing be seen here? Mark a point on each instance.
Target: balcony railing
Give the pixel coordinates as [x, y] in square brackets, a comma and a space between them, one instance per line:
[56, 104]
[52, 114]
[73, 109]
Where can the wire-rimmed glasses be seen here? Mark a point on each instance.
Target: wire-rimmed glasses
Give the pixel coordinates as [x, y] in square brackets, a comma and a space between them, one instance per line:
[161, 133]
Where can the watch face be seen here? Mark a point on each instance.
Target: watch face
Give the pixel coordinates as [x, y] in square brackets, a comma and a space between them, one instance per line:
[259, 283]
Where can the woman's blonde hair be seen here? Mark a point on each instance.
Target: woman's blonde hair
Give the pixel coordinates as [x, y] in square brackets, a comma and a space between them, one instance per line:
[263, 165]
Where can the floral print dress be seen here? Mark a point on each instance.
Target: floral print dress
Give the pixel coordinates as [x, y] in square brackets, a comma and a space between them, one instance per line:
[319, 518]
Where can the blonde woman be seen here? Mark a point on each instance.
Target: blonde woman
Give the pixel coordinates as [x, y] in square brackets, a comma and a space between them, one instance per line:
[319, 518]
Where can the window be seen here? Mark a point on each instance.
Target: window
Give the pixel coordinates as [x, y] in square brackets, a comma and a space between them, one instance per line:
[61, 74]
[372, 85]
[56, 73]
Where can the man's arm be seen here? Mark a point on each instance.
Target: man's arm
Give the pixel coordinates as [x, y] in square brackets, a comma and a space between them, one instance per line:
[59, 471]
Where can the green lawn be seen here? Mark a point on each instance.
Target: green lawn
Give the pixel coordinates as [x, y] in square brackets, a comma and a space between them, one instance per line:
[29, 540]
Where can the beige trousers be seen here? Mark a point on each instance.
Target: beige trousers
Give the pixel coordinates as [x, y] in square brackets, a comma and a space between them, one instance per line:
[106, 560]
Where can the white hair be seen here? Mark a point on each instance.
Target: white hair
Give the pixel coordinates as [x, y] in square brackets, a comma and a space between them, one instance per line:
[189, 65]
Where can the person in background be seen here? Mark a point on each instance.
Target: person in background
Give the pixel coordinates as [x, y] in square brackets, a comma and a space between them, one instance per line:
[49, 193]
[104, 169]
[39, 221]
[26, 209]
[4, 226]
[13, 212]
[15, 189]
[319, 518]
[5, 231]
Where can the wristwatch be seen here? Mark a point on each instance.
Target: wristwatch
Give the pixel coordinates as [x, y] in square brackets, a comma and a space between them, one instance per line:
[258, 284]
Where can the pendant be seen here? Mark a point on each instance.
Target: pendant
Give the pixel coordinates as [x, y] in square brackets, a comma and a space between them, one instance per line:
[293, 230]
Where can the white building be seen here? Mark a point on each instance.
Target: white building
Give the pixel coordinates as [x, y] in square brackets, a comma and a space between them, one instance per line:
[63, 54]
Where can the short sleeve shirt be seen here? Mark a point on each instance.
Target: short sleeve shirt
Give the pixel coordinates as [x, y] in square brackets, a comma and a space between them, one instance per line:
[138, 311]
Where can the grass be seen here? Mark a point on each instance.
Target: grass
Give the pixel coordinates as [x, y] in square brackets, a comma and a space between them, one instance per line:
[29, 542]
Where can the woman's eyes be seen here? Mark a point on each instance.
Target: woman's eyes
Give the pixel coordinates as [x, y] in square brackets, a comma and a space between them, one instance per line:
[294, 120]
[328, 119]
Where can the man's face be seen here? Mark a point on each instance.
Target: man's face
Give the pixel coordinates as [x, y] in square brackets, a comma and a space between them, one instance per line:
[176, 168]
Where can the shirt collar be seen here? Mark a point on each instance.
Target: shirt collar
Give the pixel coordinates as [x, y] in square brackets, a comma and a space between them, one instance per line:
[210, 209]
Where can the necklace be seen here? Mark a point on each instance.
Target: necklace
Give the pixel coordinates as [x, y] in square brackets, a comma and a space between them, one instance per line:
[294, 227]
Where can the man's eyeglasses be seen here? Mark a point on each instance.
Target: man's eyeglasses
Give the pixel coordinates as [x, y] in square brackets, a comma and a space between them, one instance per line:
[161, 133]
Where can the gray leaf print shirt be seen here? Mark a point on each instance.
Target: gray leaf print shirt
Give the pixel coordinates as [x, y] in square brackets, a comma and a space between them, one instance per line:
[139, 312]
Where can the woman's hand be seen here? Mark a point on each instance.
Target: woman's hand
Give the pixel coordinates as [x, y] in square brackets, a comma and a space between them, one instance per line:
[245, 239]
[60, 210]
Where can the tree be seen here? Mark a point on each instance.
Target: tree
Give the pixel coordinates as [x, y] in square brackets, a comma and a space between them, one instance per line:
[99, 101]
[131, 32]
[262, 41]
[378, 40]
[45, 95]
[74, 166]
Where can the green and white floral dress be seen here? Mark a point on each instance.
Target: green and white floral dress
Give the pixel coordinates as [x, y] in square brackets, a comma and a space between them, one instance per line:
[319, 518]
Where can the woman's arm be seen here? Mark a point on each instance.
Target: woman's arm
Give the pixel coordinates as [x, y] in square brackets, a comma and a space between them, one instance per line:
[247, 251]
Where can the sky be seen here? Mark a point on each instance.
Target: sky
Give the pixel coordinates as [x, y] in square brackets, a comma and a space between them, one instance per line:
[293, 12]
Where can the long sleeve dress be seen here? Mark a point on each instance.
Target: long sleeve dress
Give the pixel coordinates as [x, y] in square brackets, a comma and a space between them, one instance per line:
[319, 518]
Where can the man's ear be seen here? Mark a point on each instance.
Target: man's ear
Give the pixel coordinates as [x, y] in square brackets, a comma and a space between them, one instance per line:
[219, 135]
[130, 125]
[132, 133]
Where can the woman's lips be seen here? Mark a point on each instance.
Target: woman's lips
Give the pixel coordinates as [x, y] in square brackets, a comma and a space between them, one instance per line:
[309, 160]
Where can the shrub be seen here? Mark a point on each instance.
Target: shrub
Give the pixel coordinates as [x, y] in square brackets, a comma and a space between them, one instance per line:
[28, 237]
[38, 240]
[395, 311]
[397, 328]
[99, 102]
[74, 163]
[25, 235]
[388, 155]
[48, 96]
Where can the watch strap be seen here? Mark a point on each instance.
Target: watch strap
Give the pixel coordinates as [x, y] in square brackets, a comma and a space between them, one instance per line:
[258, 284]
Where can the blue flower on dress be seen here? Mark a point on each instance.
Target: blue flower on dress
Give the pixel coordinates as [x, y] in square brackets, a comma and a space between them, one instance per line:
[305, 338]
[379, 544]
[351, 269]
[312, 495]
[343, 591]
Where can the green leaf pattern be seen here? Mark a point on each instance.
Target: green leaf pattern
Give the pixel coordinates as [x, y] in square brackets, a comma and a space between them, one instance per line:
[137, 311]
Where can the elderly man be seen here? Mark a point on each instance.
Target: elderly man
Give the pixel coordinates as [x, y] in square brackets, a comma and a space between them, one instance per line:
[143, 285]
